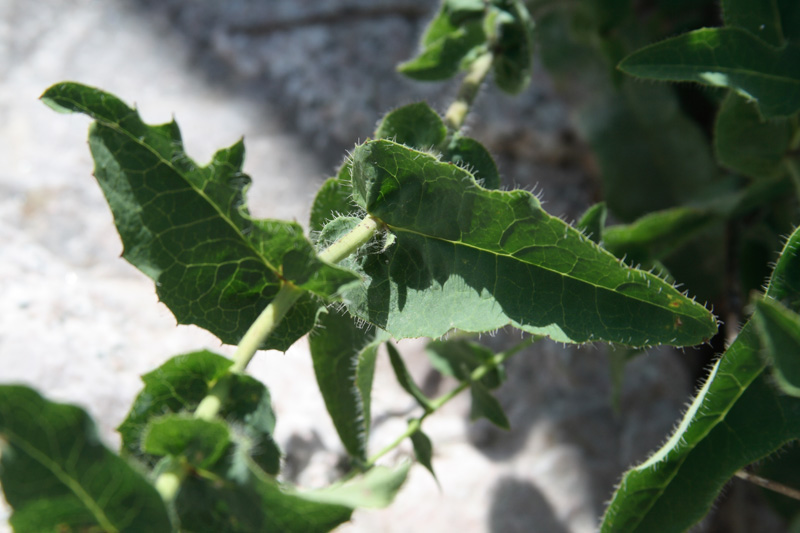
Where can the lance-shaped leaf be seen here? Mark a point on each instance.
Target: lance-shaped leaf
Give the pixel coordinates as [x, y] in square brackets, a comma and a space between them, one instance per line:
[188, 228]
[762, 19]
[476, 260]
[780, 336]
[58, 476]
[484, 405]
[737, 418]
[726, 57]
[344, 362]
[181, 383]
[406, 380]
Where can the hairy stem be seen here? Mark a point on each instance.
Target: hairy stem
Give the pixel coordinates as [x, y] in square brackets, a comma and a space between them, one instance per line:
[168, 482]
[415, 424]
[457, 112]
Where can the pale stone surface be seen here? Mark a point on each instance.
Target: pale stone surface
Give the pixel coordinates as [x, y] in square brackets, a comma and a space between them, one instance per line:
[81, 325]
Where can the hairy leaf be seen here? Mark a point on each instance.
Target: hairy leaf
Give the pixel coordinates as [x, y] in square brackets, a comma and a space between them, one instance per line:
[58, 476]
[188, 228]
[200, 442]
[593, 222]
[748, 144]
[471, 155]
[344, 362]
[726, 57]
[736, 419]
[780, 336]
[415, 125]
[181, 383]
[476, 260]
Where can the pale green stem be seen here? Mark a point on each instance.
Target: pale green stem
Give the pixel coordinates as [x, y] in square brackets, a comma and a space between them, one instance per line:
[168, 482]
[457, 112]
[415, 424]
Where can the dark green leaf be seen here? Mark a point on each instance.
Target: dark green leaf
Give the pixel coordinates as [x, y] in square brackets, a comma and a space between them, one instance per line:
[471, 155]
[484, 405]
[200, 442]
[736, 419]
[405, 379]
[188, 228]
[593, 222]
[726, 57]
[790, 19]
[477, 260]
[459, 357]
[760, 17]
[748, 144]
[513, 44]
[333, 199]
[444, 46]
[651, 156]
[423, 450]
[780, 336]
[57, 475]
[415, 125]
[344, 362]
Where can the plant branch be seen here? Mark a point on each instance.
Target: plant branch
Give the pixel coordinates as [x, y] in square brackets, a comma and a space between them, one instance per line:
[457, 112]
[768, 484]
[415, 424]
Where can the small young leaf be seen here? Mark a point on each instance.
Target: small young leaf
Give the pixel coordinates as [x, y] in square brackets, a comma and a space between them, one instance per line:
[423, 450]
[760, 18]
[200, 442]
[57, 476]
[746, 143]
[736, 419]
[593, 222]
[344, 362]
[415, 125]
[726, 57]
[513, 45]
[404, 378]
[459, 357]
[471, 155]
[484, 405]
[444, 45]
[333, 199]
[457, 245]
[188, 228]
[780, 336]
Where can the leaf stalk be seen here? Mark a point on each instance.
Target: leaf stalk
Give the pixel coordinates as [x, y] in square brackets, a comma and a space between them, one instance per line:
[457, 112]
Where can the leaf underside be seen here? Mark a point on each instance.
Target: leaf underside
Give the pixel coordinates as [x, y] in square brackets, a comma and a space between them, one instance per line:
[188, 228]
[477, 260]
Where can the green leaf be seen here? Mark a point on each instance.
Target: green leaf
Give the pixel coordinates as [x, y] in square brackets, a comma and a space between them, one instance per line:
[736, 419]
[375, 489]
[58, 476]
[780, 336]
[423, 450]
[484, 405]
[726, 57]
[746, 143]
[333, 199]
[181, 383]
[593, 222]
[415, 125]
[513, 44]
[477, 260]
[344, 362]
[405, 379]
[445, 44]
[188, 228]
[472, 156]
[790, 19]
[651, 155]
[655, 236]
[459, 357]
[200, 442]
[761, 18]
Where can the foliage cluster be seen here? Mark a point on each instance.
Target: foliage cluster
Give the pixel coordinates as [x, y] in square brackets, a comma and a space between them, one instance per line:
[415, 238]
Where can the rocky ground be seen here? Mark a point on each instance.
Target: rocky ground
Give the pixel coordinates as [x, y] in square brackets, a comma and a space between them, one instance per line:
[302, 81]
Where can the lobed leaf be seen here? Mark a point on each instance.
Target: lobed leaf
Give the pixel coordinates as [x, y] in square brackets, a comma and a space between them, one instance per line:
[780, 336]
[726, 57]
[736, 419]
[477, 260]
[344, 357]
[188, 228]
[58, 476]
